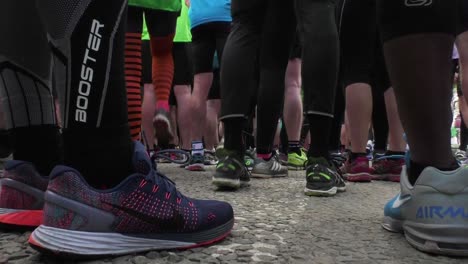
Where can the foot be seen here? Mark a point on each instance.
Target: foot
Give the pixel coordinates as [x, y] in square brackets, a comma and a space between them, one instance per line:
[143, 213]
[357, 170]
[322, 178]
[21, 195]
[162, 128]
[269, 169]
[433, 214]
[297, 161]
[387, 168]
[231, 173]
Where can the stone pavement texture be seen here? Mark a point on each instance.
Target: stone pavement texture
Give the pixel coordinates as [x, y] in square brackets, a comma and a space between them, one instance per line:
[275, 223]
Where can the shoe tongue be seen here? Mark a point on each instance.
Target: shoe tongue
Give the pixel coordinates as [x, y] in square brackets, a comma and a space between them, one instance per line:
[141, 159]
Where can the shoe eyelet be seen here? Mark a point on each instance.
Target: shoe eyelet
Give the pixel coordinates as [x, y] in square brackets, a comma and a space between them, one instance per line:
[155, 188]
[143, 183]
[179, 200]
[168, 195]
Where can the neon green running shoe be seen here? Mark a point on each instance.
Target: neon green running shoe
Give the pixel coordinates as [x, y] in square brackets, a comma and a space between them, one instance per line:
[296, 161]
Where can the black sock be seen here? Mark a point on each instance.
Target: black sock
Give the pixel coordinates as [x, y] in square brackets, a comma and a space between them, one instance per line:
[94, 161]
[233, 135]
[415, 170]
[40, 145]
[294, 146]
[6, 147]
[319, 135]
[394, 153]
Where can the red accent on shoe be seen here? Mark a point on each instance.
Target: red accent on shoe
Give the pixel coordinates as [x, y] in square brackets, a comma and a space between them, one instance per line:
[30, 218]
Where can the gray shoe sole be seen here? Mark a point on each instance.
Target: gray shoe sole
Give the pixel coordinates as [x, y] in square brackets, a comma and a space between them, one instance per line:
[320, 193]
[450, 240]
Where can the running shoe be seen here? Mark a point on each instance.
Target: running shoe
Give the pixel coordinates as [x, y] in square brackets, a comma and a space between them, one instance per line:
[433, 214]
[21, 195]
[142, 213]
[269, 169]
[322, 177]
[297, 161]
[197, 163]
[210, 158]
[162, 128]
[387, 168]
[249, 162]
[460, 155]
[231, 173]
[357, 170]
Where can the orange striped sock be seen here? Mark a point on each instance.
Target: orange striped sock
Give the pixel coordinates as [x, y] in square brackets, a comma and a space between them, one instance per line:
[133, 69]
[163, 69]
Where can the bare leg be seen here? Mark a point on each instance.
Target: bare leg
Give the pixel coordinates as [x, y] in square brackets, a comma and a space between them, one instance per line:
[183, 96]
[149, 108]
[395, 135]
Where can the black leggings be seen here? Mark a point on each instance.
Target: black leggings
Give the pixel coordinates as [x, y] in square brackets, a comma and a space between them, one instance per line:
[258, 38]
[88, 49]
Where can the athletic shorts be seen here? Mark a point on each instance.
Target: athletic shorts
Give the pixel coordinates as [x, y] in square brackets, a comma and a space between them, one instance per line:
[182, 64]
[358, 34]
[146, 62]
[296, 49]
[215, 92]
[463, 24]
[160, 23]
[206, 39]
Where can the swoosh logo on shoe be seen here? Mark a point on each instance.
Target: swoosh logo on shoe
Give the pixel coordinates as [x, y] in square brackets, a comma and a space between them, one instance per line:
[400, 201]
[174, 223]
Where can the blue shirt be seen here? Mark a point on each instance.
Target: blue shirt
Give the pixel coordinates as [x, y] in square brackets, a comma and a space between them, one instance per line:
[206, 11]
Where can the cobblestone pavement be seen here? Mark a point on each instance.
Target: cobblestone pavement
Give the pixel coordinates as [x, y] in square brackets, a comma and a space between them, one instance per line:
[276, 223]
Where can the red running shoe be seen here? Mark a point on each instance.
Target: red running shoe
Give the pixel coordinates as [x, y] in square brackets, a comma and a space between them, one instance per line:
[357, 170]
[21, 195]
[387, 168]
[143, 213]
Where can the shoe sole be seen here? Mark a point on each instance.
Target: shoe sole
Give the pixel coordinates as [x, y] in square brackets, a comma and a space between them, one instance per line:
[267, 176]
[195, 167]
[296, 168]
[320, 193]
[20, 218]
[162, 130]
[224, 183]
[427, 237]
[358, 177]
[386, 177]
[65, 243]
[438, 239]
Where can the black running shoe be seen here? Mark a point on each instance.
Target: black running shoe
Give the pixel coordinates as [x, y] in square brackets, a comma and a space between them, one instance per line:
[231, 174]
[322, 177]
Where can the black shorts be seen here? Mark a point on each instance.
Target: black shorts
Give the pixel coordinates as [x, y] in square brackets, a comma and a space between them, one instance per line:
[160, 23]
[358, 34]
[463, 24]
[146, 62]
[296, 49]
[182, 64]
[215, 92]
[206, 39]
[417, 17]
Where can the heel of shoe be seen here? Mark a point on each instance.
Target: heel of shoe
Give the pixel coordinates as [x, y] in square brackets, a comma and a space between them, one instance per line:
[442, 239]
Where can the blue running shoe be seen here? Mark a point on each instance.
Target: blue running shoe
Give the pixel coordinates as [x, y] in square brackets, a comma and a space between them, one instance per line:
[144, 212]
[433, 214]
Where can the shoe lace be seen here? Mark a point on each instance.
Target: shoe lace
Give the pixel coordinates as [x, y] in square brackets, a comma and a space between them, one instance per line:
[160, 179]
